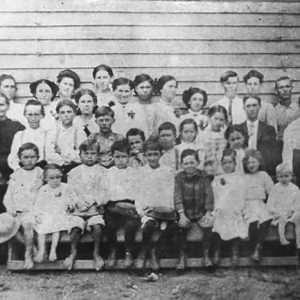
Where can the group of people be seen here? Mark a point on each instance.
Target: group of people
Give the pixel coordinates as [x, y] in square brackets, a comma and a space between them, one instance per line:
[125, 155]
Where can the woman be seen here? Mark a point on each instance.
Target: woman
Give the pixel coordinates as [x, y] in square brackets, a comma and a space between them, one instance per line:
[68, 82]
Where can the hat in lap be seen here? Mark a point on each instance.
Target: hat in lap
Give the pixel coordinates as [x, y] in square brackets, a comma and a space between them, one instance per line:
[9, 226]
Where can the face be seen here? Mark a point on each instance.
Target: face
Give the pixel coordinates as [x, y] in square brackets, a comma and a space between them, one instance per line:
[167, 139]
[190, 164]
[144, 91]
[105, 123]
[136, 143]
[89, 157]
[86, 104]
[284, 89]
[253, 86]
[53, 178]
[66, 87]
[231, 86]
[196, 102]
[253, 165]
[252, 107]
[284, 177]
[153, 157]
[188, 133]
[28, 159]
[102, 80]
[8, 88]
[123, 93]
[236, 140]
[66, 115]
[33, 114]
[228, 164]
[121, 159]
[3, 107]
[43, 93]
[217, 121]
[169, 90]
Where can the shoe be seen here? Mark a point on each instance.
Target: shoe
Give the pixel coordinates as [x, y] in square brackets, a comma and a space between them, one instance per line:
[111, 260]
[206, 259]
[181, 264]
[140, 261]
[154, 261]
[256, 255]
[128, 262]
[217, 258]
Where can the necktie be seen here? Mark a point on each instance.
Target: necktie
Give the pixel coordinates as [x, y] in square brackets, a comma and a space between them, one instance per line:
[252, 144]
[230, 112]
[86, 130]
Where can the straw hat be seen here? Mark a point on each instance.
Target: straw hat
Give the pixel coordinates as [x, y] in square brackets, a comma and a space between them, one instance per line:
[9, 226]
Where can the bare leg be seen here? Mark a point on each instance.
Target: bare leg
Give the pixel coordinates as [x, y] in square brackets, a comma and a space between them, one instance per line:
[40, 255]
[54, 243]
[75, 238]
[28, 237]
[97, 236]
[281, 231]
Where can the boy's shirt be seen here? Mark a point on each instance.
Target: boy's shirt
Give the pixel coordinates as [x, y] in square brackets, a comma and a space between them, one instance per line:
[105, 142]
[171, 159]
[36, 136]
[22, 189]
[88, 127]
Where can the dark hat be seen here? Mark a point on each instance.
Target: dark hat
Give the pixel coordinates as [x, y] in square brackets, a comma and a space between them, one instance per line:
[162, 213]
[53, 86]
[71, 74]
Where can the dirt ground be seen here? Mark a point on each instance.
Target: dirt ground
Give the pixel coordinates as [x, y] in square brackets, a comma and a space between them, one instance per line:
[193, 284]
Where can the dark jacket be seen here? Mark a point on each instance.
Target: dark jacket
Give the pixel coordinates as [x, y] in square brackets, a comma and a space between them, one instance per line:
[193, 194]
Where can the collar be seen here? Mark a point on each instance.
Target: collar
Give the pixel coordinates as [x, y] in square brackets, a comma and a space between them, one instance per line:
[106, 135]
[255, 123]
[164, 102]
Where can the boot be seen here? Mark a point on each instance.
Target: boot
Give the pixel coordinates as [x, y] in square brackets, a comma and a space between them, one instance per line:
[235, 256]
[128, 260]
[181, 264]
[111, 260]
[256, 255]
[140, 261]
[154, 261]
[206, 259]
[217, 258]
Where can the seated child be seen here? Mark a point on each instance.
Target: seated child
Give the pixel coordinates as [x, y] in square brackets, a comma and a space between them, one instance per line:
[167, 139]
[229, 198]
[194, 202]
[89, 183]
[120, 211]
[105, 137]
[53, 201]
[155, 205]
[284, 203]
[21, 192]
[136, 138]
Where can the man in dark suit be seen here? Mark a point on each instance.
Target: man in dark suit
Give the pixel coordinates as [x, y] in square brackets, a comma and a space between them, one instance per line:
[262, 137]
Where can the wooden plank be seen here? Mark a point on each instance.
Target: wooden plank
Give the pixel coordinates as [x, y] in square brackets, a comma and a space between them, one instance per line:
[147, 47]
[149, 32]
[151, 6]
[153, 19]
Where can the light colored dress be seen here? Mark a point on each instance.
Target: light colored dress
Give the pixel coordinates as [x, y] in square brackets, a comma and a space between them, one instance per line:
[199, 117]
[229, 203]
[240, 155]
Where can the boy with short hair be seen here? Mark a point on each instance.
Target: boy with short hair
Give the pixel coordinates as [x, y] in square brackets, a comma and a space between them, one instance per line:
[135, 138]
[120, 211]
[155, 205]
[105, 117]
[89, 183]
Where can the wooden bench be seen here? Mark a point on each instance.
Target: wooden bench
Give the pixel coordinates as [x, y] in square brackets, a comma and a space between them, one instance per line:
[194, 238]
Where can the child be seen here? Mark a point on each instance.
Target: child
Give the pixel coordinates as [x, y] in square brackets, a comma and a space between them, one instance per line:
[237, 140]
[195, 100]
[258, 185]
[33, 112]
[68, 82]
[86, 101]
[105, 137]
[89, 183]
[229, 198]
[136, 138]
[155, 205]
[21, 192]
[52, 202]
[284, 203]
[167, 140]
[194, 202]
[120, 210]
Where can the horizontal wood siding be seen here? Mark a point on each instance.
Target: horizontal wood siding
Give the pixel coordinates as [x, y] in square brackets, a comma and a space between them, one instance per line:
[196, 41]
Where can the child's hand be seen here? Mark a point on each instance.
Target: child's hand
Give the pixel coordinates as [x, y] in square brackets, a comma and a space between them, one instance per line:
[38, 220]
[183, 220]
[12, 212]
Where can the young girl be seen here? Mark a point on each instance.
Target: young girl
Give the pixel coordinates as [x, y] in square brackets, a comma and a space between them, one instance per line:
[188, 131]
[52, 203]
[229, 202]
[258, 185]
[195, 99]
[237, 140]
[21, 192]
[68, 82]
[212, 142]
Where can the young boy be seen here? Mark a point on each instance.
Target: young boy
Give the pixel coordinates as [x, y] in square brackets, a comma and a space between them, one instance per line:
[89, 183]
[193, 199]
[135, 138]
[167, 139]
[33, 112]
[21, 193]
[105, 138]
[120, 210]
[155, 205]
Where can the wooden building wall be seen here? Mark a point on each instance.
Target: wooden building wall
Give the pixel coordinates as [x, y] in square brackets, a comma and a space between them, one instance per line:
[193, 40]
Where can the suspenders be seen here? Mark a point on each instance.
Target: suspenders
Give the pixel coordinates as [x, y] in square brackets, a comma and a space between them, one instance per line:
[75, 146]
